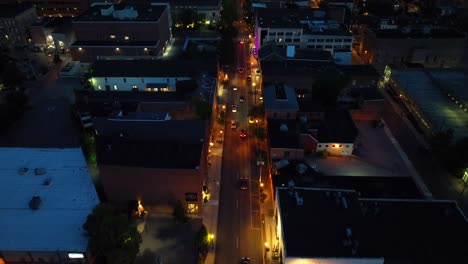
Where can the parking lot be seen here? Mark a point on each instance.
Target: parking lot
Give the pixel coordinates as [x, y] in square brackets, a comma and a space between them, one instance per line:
[374, 155]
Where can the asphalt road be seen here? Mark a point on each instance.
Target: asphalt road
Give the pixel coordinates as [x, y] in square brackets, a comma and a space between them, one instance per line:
[239, 233]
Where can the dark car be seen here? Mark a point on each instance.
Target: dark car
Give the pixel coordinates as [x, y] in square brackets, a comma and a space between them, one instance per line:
[245, 261]
[243, 133]
[241, 98]
[243, 184]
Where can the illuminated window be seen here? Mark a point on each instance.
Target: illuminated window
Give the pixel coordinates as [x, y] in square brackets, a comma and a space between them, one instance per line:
[146, 49]
[117, 49]
[80, 48]
[115, 87]
[164, 89]
[112, 36]
[99, 87]
[192, 208]
[126, 38]
[134, 87]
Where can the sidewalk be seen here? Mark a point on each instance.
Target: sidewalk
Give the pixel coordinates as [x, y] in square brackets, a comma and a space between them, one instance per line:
[268, 218]
[210, 209]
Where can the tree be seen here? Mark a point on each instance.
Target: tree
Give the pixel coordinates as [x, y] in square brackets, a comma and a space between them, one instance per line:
[111, 238]
[328, 86]
[203, 110]
[12, 76]
[179, 212]
[202, 241]
[257, 112]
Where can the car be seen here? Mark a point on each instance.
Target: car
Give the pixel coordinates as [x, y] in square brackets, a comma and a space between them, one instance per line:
[234, 88]
[243, 184]
[245, 260]
[243, 133]
[249, 78]
[240, 70]
[234, 108]
[241, 98]
[251, 120]
[258, 72]
[233, 124]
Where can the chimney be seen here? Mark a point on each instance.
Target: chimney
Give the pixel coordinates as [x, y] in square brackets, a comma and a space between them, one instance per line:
[299, 200]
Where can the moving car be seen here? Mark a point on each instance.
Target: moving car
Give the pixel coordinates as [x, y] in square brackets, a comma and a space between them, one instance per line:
[234, 108]
[243, 184]
[241, 70]
[245, 260]
[251, 120]
[233, 124]
[243, 133]
[241, 98]
[249, 78]
[234, 88]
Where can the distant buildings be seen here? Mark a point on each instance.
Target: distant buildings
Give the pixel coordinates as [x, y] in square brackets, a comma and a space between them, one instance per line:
[14, 22]
[148, 157]
[426, 46]
[435, 98]
[59, 8]
[47, 195]
[121, 31]
[303, 28]
[337, 226]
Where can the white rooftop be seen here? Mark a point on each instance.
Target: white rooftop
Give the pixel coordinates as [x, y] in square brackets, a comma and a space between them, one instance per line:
[66, 202]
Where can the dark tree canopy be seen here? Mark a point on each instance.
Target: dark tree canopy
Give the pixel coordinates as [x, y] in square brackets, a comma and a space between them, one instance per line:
[111, 238]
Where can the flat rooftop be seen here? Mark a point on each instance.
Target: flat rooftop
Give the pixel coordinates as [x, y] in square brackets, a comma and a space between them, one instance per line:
[429, 90]
[418, 33]
[122, 13]
[153, 68]
[65, 188]
[279, 97]
[176, 144]
[339, 224]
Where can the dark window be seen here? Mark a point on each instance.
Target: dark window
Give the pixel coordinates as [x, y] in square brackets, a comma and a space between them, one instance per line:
[125, 80]
[319, 146]
[105, 79]
[326, 146]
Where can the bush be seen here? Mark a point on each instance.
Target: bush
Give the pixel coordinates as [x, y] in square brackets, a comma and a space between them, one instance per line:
[202, 241]
[179, 213]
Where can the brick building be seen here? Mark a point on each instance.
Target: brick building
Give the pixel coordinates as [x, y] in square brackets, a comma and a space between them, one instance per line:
[120, 31]
[155, 160]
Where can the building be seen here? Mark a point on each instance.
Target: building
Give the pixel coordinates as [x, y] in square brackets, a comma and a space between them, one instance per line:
[303, 28]
[14, 22]
[280, 101]
[121, 31]
[70, 8]
[340, 227]
[429, 47]
[153, 159]
[52, 34]
[330, 131]
[208, 11]
[435, 98]
[150, 75]
[46, 197]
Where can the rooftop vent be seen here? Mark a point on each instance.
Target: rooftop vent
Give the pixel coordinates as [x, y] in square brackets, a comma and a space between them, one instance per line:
[299, 200]
[35, 202]
[47, 181]
[40, 171]
[23, 171]
[284, 128]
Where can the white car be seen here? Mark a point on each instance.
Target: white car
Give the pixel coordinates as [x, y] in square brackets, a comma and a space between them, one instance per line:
[234, 108]
[234, 88]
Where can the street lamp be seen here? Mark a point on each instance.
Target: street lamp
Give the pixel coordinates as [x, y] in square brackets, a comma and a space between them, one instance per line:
[212, 240]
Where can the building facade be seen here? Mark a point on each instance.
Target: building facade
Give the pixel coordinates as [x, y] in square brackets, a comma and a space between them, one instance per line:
[153, 160]
[108, 31]
[14, 22]
[306, 28]
[46, 8]
[430, 47]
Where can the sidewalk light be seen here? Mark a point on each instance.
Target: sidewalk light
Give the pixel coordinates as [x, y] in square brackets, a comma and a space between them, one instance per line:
[261, 184]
